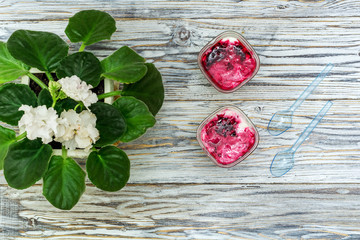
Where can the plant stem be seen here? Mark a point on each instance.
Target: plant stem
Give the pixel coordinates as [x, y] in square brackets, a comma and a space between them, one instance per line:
[82, 47]
[37, 80]
[54, 102]
[109, 94]
[63, 152]
[21, 136]
[76, 107]
[49, 76]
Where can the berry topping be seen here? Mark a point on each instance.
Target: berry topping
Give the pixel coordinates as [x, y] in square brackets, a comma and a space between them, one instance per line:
[228, 63]
[228, 136]
[225, 126]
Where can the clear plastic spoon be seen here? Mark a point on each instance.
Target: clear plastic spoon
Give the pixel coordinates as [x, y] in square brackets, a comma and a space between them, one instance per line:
[282, 120]
[284, 160]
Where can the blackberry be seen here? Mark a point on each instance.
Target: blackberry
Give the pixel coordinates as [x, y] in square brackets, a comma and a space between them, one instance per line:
[217, 53]
[240, 52]
[225, 126]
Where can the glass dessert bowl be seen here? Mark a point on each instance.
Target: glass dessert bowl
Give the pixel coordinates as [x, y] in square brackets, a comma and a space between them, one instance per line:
[228, 62]
[227, 136]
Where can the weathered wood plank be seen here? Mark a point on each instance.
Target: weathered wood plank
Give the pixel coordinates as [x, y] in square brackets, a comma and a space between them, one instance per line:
[169, 152]
[175, 191]
[292, 52]
[288, 62]
[206, 211]
[330, 154]
[36, 10]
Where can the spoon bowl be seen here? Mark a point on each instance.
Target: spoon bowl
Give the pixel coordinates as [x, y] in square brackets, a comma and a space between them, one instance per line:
[280, 122]
[282, 163]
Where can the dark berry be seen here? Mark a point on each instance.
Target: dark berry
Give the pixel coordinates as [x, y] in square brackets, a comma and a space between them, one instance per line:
[225, 126]
[240, 52]
[229, 66]
[217, 54]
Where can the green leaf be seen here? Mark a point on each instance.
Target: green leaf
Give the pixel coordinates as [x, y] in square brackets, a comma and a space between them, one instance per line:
[82, 64]
[7, 136]
[108, 169]
[64, 182]
[43, 50]
[26, 162]
[45, 98]
[124, 65]
[65, 104]
[149, 89]
[137, 116]
[110, 123]
[12, 96]
[10, 68]
[90, 26]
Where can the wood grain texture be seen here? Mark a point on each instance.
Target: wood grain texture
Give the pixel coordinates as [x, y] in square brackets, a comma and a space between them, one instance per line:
[193, 211]
[175, 191]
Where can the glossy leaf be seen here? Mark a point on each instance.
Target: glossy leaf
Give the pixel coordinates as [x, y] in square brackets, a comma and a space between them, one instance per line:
[7, 136]
[10, 68]
[64, 182]
[45, 98]
[65, 104]
[149, 89]
[82, 64]
[137, 116]
[42, 50]
[108, 169]
[110, 123]
[12, 96]
[90, 26]
[124, 65]
[26, 163]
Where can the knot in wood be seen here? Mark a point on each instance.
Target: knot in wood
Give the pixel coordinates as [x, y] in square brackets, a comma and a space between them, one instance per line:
[182, 36]
[32, 222]
[282, 6]
[258, 109]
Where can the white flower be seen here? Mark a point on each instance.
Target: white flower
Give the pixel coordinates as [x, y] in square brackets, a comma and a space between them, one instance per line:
[39, 122]
[78, 90]
[77, 130]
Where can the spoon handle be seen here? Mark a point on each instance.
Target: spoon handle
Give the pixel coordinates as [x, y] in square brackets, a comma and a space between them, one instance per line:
[311, 87]
[311, 126]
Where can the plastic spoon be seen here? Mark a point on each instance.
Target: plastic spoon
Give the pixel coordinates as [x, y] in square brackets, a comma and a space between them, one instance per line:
[282, 120]
[284, 160]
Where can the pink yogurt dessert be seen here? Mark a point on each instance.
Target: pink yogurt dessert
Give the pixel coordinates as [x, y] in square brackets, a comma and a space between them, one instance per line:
[228, 136]
[228, 62]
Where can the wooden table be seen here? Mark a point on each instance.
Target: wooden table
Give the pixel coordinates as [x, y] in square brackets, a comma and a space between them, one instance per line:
[175, 191]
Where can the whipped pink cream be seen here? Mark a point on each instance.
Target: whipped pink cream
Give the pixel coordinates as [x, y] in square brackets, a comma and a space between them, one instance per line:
[228, 63]
[228, 136]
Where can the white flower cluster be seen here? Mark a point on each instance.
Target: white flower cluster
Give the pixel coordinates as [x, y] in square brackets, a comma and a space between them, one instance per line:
[72, 129]
[77, 130]
[78, 90]
[38, 122]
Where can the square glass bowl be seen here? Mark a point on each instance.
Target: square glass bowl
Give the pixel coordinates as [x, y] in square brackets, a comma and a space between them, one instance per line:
[228, 62]
[227, 136]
